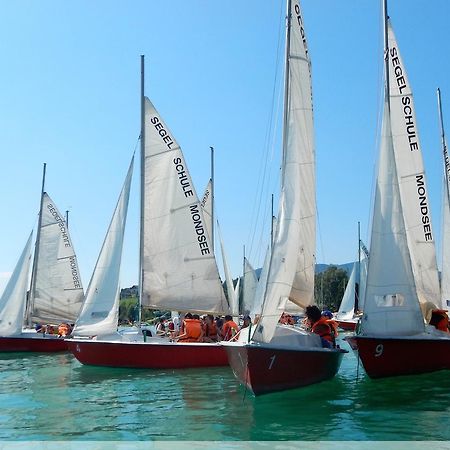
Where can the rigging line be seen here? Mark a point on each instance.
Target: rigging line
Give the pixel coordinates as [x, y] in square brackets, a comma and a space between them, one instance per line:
[262, 177]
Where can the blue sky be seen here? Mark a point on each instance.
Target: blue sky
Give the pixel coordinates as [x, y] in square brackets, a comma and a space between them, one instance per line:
[70, 98]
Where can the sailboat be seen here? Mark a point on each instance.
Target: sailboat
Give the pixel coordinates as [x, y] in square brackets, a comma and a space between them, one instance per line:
[270, 357]
[352, 302]
[56, 292]
[393, 338]
[178, 271]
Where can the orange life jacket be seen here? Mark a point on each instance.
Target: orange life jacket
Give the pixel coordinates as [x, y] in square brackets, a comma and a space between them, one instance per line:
[227, 330]
[192, 329]
[439, 319]
[323, 329]
[211, 330]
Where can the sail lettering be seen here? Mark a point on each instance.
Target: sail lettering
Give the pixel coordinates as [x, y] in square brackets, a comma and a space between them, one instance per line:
[302, 29]
[182, 176]
[424, 210]
[447, 162]
[398, 71]
[61, 224]
[74, 269]
[199, 230]
[162, 132]
[205, 198]
[406, 102]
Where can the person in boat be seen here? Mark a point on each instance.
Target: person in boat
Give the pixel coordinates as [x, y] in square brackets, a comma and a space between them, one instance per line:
[64, 330]
[229, 328]
[161, 328]
[333, 324]
[439, 320]
[192, 329]
[246, 321]
[318, 324]
[39, 328]
[210, 332]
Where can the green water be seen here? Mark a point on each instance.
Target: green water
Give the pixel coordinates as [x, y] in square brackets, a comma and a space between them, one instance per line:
[53, 397]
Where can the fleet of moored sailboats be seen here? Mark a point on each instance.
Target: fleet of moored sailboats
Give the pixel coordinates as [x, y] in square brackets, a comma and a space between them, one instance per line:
[389, 298]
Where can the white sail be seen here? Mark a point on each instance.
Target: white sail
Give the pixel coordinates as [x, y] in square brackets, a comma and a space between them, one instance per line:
[100, 311]
[12, 302]
[58, 294]
[291, 273]
[207, 208]
[233, 299]
[445, 274]
[347, 306]
[411, 176]
[358, 276]
[256, 307]
[249, 287]
[179, 271]
[391, 304]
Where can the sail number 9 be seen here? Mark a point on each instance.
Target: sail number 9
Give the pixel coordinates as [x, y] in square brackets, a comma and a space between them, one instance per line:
[379, 350]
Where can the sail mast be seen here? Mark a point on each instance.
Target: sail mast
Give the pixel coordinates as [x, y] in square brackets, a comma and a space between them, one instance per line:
[386, 55]
[358, 286]
[286, 84]
[141, 229]
[36, 253]
[212, 198]
[444, 145]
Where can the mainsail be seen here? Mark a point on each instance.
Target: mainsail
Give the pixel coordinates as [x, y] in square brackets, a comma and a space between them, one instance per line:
[391, 303]
[179, 271]
[291, 272]
[58, 292]
[12, 302]
[411, 178]
[100, 311]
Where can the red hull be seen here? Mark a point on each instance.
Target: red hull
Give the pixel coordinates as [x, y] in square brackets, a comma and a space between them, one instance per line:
[148, 355]
[386, 357]
[346, 326]
[265, 369]
[32, 344]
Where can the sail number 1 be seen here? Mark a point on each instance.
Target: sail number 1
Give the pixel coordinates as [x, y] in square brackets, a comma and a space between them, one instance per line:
[272, 360]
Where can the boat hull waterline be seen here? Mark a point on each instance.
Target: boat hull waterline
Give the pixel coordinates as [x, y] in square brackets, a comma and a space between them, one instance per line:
[266, 369]
[387, 357]
[148, 355]
[32, 344]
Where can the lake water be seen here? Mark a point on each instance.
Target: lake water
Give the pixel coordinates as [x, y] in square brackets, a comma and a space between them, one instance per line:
[46, 397]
